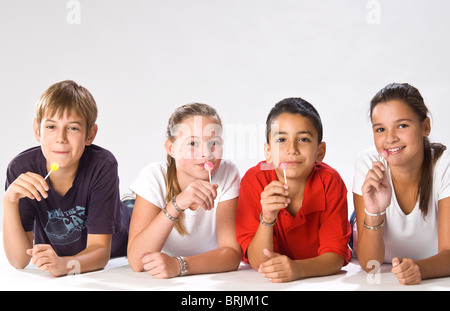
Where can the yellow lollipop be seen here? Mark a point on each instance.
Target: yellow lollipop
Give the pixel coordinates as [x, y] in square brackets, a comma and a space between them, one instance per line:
[53, 167]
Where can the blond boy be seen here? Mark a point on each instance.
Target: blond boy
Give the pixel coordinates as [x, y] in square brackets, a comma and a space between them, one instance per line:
[75, 217]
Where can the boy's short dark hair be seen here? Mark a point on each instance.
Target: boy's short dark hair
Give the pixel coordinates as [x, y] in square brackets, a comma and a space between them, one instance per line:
[295, 105]
[67, 96]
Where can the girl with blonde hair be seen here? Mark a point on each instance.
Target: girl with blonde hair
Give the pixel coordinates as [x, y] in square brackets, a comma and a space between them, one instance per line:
[182, 223]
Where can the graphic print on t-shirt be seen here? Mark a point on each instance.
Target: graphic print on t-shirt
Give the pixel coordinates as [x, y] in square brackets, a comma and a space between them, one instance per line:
[64, 228]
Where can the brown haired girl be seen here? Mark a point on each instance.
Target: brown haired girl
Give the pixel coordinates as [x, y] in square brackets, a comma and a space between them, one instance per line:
[402, 190]
[183, 224]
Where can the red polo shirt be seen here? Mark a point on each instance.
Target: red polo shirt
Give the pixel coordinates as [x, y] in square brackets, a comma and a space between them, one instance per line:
[320, 226]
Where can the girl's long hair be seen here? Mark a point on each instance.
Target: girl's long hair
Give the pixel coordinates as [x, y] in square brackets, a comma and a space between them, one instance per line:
[177, 117]
[432, 151]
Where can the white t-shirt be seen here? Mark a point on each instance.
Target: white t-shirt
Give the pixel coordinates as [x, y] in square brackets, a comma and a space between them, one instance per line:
[408, 236]
[200, 224]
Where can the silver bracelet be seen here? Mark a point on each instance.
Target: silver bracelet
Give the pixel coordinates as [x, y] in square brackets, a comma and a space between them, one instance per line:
[265, 223]
[374, 215]
[373, 228]
[179, 210]
[183, 266]
[168, 215]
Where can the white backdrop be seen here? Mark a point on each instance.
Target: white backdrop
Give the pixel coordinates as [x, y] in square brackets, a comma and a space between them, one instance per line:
[143, 58]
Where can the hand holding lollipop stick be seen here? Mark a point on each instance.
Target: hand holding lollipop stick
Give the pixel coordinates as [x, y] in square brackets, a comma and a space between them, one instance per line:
[209, 166]
[53, 167]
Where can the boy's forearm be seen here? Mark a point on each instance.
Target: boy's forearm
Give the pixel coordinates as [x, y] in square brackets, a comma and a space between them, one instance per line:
[263, 239]
[15, 240]
[94, 257]
[324, 264]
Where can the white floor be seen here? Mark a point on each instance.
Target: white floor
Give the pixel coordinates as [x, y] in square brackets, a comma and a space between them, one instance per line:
[117, 275]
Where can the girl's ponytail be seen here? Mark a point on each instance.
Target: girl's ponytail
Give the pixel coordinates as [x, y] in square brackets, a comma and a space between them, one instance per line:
[172, 189]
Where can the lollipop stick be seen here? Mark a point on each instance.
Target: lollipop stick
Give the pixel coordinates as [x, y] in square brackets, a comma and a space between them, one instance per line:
[285, 180]
[48, 175]
[209, 176]
[384, 155]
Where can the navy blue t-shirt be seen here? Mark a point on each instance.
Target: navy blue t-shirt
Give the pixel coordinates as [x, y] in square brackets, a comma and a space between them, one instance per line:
[91, 206]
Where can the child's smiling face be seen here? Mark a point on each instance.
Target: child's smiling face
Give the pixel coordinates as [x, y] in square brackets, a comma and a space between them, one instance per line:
[398, 131]
[63, 138]
[293, 139]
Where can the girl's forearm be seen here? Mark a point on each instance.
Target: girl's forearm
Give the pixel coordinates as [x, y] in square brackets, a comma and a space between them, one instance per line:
[221, 259]
[150, 239]
[370, 245]
[435, 266]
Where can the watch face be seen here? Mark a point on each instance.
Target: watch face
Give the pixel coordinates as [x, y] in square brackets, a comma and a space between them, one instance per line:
[183, 266]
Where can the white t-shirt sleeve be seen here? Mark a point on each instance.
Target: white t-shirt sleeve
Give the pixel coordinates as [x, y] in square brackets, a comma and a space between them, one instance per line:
[442, 176]
[362, 165]
[151, 184]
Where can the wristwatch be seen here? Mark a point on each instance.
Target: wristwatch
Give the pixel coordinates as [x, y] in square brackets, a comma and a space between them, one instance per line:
[183, 266]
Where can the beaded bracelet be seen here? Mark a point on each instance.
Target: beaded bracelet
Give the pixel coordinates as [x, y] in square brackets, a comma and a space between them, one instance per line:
[179, 210]
[168, 215]
[265, 223]
[373, 228]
